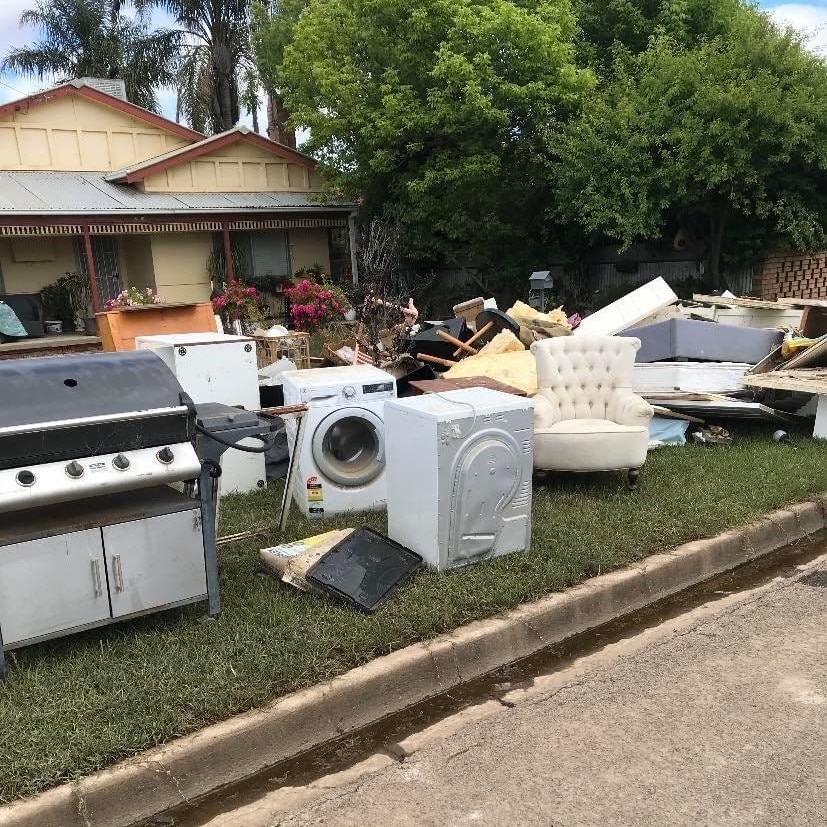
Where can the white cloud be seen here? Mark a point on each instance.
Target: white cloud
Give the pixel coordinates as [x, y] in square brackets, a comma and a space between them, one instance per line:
[810, 20]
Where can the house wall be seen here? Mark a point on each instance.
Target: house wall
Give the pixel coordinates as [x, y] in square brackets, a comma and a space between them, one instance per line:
[792, 274]
[180, 266]
[75, 133]
[309, 247]
[29, 264]
[239, 167]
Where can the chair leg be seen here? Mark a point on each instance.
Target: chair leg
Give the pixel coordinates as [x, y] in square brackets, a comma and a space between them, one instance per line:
[632, 478]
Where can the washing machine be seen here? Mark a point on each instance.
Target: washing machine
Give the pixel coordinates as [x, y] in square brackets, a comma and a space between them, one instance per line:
[341, 456]
[459, 475]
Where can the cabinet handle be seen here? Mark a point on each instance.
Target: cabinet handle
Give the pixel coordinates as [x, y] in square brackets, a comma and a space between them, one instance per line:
[96, 578]
[116, 562]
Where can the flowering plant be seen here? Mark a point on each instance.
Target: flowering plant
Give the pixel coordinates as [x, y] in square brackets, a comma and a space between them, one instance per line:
[314, 305]
[133, 297]
[238, 301]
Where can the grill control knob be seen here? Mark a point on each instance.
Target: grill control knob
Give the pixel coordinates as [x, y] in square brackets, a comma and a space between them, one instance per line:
[25, 478]
[165, 455]
[74, 470]
[121, 462]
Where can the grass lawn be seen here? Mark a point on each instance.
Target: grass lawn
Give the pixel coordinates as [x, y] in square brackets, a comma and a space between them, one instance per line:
[73, 706]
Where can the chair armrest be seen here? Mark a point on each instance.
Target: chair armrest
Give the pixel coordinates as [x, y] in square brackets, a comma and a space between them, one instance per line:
[544, 413]
[631, 409]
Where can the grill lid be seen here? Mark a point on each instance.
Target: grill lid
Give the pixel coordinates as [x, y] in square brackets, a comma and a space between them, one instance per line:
[56, 388]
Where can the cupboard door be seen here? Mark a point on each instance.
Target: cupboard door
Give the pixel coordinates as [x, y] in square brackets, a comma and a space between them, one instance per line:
[154, 562]
[52, 585]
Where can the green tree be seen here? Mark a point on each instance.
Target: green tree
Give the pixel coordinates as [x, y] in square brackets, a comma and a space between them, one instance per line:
[433, 109]
[92, 38]
[731, 132]
[611, 26]
[214, 59]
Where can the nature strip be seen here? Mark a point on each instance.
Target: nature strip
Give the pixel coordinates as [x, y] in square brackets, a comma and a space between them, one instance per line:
[228, 752]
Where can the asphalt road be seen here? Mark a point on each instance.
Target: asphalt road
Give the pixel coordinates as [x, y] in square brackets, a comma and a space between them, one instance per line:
[716, 718]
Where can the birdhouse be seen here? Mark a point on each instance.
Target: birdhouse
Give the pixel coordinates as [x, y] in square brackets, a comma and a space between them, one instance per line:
[539, 284]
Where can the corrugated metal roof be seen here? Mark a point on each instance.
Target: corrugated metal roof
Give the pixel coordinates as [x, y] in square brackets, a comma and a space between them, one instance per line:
[79, 193]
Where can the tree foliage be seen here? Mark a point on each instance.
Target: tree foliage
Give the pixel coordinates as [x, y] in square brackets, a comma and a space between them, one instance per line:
[731, 130]
[93, 38]
[215, 57]
[435, 107]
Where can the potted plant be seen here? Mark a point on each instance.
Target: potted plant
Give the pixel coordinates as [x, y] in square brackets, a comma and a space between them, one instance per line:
[239, 306]
[133, 297]
[80, 299]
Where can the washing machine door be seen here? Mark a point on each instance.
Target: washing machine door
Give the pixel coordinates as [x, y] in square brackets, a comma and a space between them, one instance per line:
[349, 447]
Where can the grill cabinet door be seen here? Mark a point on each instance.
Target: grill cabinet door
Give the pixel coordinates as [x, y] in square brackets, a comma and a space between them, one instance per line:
[154, 562]
[52, 585]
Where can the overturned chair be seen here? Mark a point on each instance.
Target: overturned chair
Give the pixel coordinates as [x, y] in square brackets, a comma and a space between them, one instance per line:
[586, 416]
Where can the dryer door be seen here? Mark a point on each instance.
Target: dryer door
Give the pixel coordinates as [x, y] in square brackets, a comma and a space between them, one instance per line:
[349, 447]
[485, 479]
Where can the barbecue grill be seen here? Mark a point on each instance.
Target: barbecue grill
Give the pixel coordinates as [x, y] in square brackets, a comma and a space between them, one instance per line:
[107, 492]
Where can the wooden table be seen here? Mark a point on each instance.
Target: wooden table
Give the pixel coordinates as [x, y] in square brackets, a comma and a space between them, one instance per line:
[442, 385]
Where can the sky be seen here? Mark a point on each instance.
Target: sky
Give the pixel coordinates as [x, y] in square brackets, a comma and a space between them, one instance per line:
[810, 18]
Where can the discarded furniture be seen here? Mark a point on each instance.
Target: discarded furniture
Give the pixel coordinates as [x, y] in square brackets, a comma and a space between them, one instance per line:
[91, 531]
[28, 307]
[677, 339]
[459, 475]
[586, 416]
[119, 327]
[812, 381]
[294, 346]
[695, 377]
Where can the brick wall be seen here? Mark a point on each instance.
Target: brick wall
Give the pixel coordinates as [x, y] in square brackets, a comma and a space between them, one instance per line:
[790, 274]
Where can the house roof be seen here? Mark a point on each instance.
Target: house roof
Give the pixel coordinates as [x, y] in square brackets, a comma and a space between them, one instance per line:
[80, 88]
[142, 169]
[87, 193]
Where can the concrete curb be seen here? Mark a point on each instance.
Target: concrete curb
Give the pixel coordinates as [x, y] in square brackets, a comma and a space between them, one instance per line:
[233, 750]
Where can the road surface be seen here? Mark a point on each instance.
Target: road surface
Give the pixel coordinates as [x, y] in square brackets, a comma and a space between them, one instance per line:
[718, 717]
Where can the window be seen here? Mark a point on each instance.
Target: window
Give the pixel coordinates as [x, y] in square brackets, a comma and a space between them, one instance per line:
[107, 264]
[340, 264]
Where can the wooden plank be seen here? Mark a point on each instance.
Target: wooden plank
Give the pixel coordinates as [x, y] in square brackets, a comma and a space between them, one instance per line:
[792, 302]
[626, 311]
[804, 381]
[741, 301]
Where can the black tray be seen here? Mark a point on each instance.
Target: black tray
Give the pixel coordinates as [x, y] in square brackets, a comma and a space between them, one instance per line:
[363, 569]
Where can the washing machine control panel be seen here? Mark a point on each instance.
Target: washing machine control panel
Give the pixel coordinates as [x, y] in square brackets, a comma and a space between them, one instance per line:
[378, 388]
[348, 392]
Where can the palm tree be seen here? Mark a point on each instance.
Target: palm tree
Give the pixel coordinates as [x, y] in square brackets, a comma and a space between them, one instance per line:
[215, 58]
[92, 38]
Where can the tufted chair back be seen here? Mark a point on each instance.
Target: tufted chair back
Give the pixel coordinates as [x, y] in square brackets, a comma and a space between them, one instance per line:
[584, 377]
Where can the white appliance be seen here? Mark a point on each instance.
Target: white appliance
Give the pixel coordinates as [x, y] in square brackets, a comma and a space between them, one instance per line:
[217, 367]
[341, 458]
[459, 475]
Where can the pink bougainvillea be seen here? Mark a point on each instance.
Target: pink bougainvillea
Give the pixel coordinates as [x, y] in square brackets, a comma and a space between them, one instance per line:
[238, 301]
[314, 305]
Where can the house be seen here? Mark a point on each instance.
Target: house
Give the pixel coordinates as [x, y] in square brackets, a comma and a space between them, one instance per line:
[94, 184]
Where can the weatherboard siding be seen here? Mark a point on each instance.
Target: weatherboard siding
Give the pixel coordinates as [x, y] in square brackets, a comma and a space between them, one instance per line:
[236, 168]
[73, 133]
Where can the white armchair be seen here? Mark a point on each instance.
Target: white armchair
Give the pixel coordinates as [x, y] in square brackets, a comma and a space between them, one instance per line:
[586, 417]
